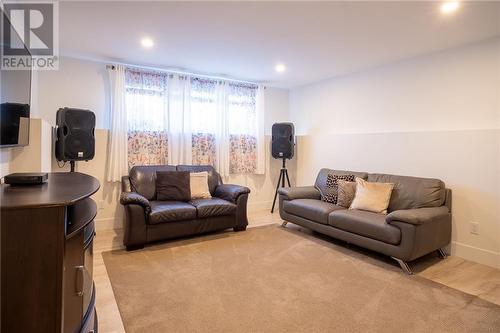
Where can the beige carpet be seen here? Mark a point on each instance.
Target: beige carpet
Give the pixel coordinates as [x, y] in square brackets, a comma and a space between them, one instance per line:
[270, 279]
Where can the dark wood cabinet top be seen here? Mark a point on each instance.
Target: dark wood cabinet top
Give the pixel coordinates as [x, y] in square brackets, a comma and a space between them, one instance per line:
[61, 189]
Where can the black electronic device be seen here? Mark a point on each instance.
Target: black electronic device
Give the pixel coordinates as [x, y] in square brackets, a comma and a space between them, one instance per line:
[14, 124]
[26, 178]
[75, 138]
[283, 140]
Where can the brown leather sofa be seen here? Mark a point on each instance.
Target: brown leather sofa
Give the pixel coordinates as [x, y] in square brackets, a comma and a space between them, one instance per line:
[418, 220]
[149, 220]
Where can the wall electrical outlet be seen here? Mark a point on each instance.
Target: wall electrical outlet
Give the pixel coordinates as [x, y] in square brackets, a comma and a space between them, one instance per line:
[100, 205]
[474, 228]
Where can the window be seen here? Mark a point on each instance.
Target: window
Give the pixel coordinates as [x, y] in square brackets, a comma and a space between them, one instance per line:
[219, 119]
[146, 116]
[242, 127]
[203, 100]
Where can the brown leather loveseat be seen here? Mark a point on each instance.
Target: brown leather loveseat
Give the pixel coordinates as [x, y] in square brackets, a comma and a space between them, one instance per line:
[149, 220]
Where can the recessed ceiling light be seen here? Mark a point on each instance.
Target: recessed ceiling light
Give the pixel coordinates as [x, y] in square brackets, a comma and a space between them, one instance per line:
[280, 68]
[147, 42]
[449, 7]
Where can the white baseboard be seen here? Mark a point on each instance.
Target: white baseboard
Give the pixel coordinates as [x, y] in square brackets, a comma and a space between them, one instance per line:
[472, 253]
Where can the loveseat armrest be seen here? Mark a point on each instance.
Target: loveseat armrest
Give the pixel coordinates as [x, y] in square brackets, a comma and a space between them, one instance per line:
[133, 198]
[299, 192]
[126, 184]
[419, 215]
[230, 192]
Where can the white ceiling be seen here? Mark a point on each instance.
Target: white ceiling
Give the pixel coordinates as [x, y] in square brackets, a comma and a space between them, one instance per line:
[316, 41]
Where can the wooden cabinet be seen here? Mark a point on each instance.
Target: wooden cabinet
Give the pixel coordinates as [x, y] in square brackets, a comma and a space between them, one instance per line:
[47, 234]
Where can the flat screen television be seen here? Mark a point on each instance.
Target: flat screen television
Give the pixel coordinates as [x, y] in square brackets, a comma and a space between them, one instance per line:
[15, 96]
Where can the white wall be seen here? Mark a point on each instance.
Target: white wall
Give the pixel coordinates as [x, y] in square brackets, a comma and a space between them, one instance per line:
[433, 116]
[36, 157]
[84, 84]
[276, 107]
[79, 84]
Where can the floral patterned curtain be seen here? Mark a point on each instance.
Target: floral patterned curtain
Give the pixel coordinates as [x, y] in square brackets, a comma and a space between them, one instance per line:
[147, 147]
[204, 149]
[243, 153]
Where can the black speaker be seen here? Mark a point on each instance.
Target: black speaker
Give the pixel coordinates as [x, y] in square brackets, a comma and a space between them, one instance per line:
[282, 141]
[75, 140]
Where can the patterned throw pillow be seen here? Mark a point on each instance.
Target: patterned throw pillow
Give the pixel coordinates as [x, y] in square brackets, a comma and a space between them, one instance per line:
[346, 192]
[331, 191]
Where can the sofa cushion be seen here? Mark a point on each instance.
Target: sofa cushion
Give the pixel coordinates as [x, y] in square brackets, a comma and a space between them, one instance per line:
[366, 224]
[412, 192]
[213, 207]
[169, 211]
[322, 177]
[143, 179]
[311, 209]
[213, 177]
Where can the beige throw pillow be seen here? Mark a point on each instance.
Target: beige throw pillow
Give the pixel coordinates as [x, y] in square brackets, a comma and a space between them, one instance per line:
[373, 197]
[345, 193]
[199, 185]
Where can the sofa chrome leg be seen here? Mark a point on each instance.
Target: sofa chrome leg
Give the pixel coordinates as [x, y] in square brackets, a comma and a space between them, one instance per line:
[284, 224]
[404, 266]
[442, 253]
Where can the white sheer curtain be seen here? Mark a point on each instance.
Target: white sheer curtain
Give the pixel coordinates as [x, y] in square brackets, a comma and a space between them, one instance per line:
[179, 120]
[260, 131]
[117, 159]
[222, 129]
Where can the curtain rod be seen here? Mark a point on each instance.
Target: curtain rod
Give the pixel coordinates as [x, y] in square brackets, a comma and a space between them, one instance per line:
[111, 66]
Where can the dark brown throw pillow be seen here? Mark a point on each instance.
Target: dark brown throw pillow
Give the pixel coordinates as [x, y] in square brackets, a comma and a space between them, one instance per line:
[173, 186]
[331, 191]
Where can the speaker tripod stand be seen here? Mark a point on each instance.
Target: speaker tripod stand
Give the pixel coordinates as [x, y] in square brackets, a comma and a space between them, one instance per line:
[281, 181]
